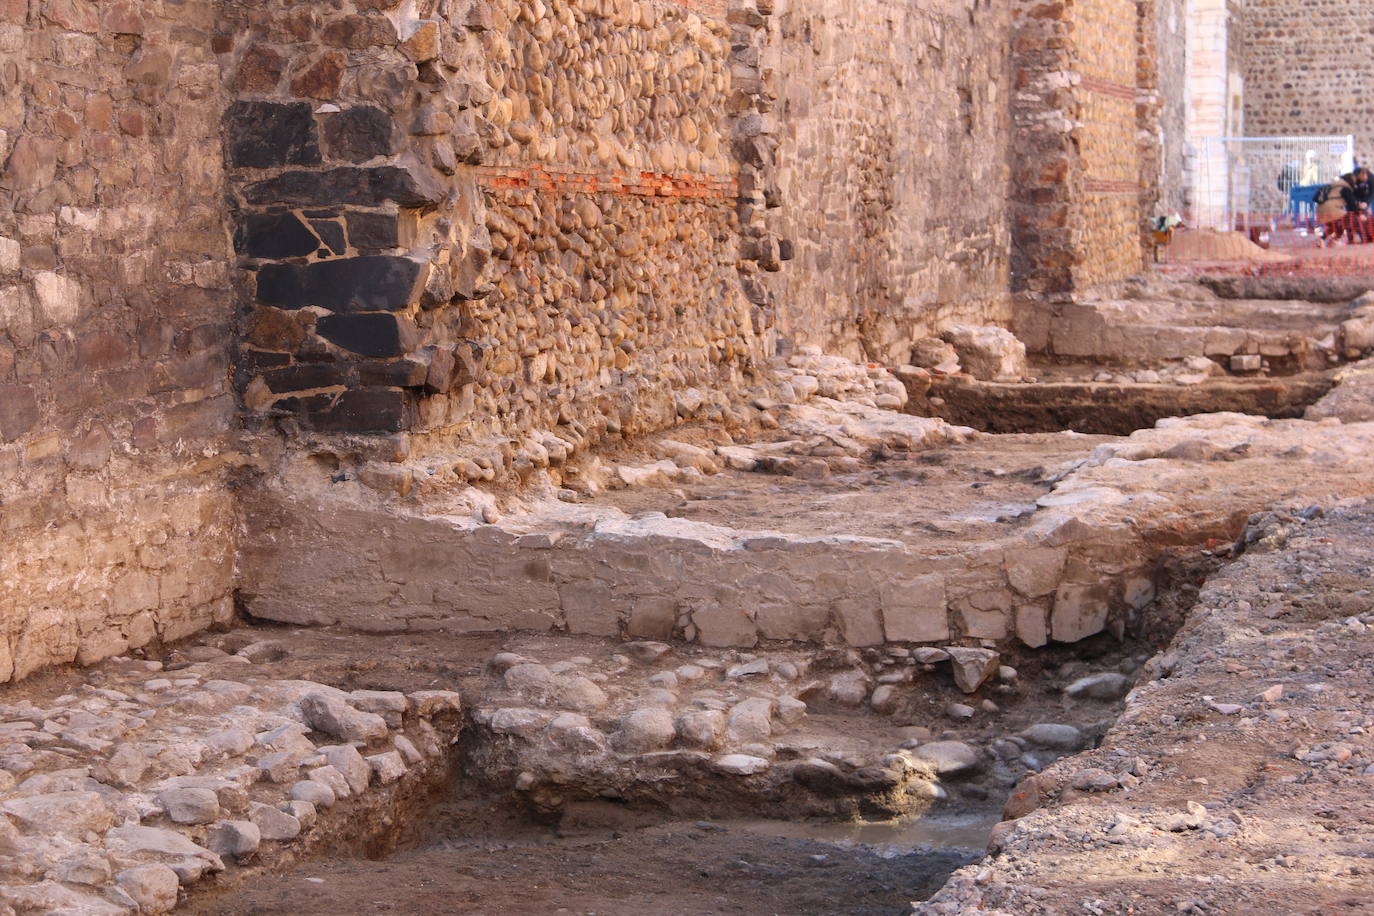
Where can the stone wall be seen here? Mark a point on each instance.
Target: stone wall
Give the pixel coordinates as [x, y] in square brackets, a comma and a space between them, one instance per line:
[893, 170]
[1086, 167]
[117, 529]
[532, 209]
[1308, 70]
[1170, 62]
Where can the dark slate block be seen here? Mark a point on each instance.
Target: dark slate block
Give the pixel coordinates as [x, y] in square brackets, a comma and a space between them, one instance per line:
[400, 373]
[358, 187]
[372, 231]
[264, 135]
[305, 377]
[376, 334]
[359, 134]
[373, 283]
[367, 410]
[331, 232]
[274, 235]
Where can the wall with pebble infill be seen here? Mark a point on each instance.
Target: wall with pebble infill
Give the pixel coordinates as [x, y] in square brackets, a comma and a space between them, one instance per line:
[1308, 69]
[116, 526]
[546, 194]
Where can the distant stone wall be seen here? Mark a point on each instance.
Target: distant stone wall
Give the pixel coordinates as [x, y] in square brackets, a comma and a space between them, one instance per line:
[115, 526]
[893, 169]
[1308, 70]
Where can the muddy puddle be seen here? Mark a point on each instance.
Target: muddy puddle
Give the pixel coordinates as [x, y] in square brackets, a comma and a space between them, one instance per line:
[592, 868]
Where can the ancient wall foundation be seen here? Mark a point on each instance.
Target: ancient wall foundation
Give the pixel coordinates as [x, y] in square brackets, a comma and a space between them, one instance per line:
[114, 331]
[483, 236]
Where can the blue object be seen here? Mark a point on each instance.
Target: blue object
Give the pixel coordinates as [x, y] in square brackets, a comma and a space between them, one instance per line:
[1302, 208]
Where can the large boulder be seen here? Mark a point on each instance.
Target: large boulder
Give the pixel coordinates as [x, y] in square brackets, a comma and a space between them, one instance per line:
[987, 353]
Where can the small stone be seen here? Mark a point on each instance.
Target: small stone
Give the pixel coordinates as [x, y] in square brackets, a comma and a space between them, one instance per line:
[1095, 779]
[701, 728]
[972, 667]
[190, 806]
[757, 668]
[643, 730]
[67, 813]
[302, 811]
[530, 679]
[1273, 694]
[884, 698]
[959, 711]
[387, 767]
[848, 688]
[409, 752]
[345, 759]
[646, 652]
[83, 866]
[665, 679]
[791, 710]
[332, 716]
[1105, 685]
[951, 758]
[274, 824]
[739, 764]
[928, 655]
[582, 694]
[1052, 735]
[234, 838]
[749, 721]
[1006, 674]
[279, 767]
[331, 777]
[391, 705]
[313, 791]
[429, 703]
[503, 661]
[690, 672]
[152, 887]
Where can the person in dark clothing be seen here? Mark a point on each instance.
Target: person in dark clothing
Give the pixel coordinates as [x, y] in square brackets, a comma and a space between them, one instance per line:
[1358, 191]
[1343, 207]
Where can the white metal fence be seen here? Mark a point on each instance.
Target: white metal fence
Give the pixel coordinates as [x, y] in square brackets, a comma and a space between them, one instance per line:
[1262, 183]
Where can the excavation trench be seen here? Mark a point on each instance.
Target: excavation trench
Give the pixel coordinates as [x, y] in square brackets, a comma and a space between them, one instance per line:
[701, 769]
[848, 817]
[1108, 408]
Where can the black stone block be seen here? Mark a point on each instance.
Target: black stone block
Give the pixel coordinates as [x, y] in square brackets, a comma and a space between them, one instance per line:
[373, 231]
[359, 134]
[274, 235]
[401, 373]
[331, 233]
[377, 334]
[366, 410]
[371, 283]
[305, 377]
[264, 135]
[359, 187]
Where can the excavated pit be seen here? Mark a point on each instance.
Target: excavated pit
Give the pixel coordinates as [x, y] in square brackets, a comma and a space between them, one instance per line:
[1110, 408]
[520, 831]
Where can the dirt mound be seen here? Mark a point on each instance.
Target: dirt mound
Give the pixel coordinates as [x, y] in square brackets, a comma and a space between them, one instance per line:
[1210, 245]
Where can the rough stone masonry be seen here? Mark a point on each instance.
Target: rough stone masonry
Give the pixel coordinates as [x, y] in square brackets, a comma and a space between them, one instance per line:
[486, 228]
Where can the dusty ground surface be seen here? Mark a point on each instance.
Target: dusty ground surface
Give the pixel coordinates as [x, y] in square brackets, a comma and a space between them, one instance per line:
[972, 491]
[675, 867]
[1238, 778]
